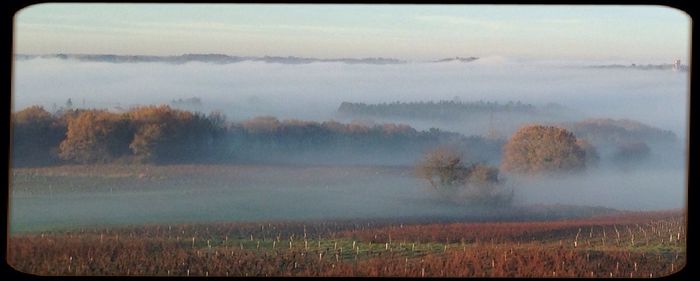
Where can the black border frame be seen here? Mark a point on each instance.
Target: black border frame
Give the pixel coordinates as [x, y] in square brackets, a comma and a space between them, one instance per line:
[13, 6]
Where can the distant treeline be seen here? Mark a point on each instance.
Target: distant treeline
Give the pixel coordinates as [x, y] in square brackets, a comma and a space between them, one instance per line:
[156, 134]
[625, 141]
[606, 131]
[163, 135]
[432, 110]
[269, 139]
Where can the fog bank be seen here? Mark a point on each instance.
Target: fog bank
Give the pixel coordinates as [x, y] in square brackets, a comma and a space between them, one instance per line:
[314, 91]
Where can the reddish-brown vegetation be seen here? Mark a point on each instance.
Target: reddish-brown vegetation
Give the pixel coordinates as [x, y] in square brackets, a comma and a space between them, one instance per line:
[650, 244]
[165, 135]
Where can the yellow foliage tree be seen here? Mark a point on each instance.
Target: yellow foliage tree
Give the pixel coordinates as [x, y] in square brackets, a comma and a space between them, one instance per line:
[95, 136]
[535, 149]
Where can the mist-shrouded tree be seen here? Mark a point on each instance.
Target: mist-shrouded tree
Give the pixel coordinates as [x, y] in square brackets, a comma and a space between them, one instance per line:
[217, 123]
[36, 135]
[163, 135]
[536, 149]
[262, 124]
[484, 187]
[630, 154]
[456, 180]
[95, 136]
[443, 168]
[146, 141]
[608, 131]
[167, 135]
[592, 156]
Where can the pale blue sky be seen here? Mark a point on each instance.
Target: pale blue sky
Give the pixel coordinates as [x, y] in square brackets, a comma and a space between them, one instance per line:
[412, 32]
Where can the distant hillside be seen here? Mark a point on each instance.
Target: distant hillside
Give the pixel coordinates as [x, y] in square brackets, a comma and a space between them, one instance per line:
[459, 59]
[614, 132]
[431, 110]
[223, 59]
[207, 58]
[666, 66]
[268, 139]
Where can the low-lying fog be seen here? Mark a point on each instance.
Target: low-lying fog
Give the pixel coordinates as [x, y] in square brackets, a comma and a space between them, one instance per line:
[314, 92]
[245, 193]
[303, 193]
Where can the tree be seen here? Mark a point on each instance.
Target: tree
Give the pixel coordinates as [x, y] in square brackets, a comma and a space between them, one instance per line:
[443, 169]
[36, 135]
[166, 135]
[485, 188]
[146, 141]
[538, 149]
[95, 136]
[630, 154]
[592, 156]
[262, 125]
[456, 181]
[217, 122]
[160, 134]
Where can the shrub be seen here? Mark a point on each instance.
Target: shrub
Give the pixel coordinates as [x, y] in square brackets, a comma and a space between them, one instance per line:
[456, 181]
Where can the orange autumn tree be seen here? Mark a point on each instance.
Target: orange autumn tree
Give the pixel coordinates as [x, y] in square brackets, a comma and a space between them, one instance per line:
[95, 136]
[167, 135]
[536, 149]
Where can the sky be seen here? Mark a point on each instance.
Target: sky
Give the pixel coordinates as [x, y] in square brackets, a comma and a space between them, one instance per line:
[645, 34]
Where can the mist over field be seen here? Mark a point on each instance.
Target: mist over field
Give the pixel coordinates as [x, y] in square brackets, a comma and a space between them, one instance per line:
[314, 91]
